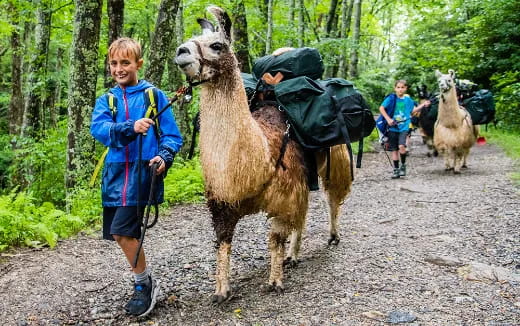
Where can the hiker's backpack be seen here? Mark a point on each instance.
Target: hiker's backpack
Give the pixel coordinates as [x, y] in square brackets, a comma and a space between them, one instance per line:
[294, 63]
[381, 123]
[150, 99]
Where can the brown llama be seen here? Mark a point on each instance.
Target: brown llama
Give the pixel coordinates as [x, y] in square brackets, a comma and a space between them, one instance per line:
[239, 151]
[454, 132]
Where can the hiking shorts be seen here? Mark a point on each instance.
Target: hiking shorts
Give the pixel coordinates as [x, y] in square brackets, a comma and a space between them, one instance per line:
[122, 221]
[395, 139]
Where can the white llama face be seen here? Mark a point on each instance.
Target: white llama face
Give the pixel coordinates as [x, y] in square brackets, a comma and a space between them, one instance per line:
[445, 82]
[201, 58]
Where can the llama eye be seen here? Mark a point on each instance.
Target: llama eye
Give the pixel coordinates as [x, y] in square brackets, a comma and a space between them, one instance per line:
[217, 46]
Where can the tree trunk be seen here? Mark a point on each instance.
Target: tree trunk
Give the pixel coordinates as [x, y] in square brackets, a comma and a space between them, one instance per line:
[353, 66]
[331, 18]
[55, 92]
[241, 41]
[301, 23]
[116, 19]
[16, 102]
[269, 34]
[162, 39]
[82, 90]
[346, 16]
[290, 42]
[175, 80]
[32, 124]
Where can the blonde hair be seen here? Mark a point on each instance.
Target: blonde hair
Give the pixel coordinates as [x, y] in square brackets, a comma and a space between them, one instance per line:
[401, 81]
[127, 47]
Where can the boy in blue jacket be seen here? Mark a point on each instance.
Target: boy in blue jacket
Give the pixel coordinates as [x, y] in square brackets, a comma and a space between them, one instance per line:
[399, 124]
[116, 123]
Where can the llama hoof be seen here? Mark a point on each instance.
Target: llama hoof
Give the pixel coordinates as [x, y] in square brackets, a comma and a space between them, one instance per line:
[333, 240]
[429, 154]
[464, 166]
[435, 154]
[289, 262]
[456, 171]
[448, 169]
[218, 299]
[275, 288]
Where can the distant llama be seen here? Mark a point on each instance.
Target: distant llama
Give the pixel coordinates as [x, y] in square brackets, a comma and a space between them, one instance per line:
[425, 120]
[239, 151]
[454, 132]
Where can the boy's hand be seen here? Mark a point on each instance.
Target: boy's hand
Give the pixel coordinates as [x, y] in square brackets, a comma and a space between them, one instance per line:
[391, 122]
[160, 161]
[142, 125]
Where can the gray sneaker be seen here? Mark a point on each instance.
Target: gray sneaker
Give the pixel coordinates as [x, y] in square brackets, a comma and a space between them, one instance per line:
[402, 170]
[144, 298]
[396, 174]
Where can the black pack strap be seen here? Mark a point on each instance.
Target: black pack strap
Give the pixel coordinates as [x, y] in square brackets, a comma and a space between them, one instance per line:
[283, 148]
[344, 131]
[327, 174]
[360, 148]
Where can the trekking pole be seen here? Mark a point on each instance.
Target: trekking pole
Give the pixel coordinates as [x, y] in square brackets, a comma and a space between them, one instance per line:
[151, 200]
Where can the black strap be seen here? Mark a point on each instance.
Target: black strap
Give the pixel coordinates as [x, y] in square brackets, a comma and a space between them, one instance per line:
[344, 131]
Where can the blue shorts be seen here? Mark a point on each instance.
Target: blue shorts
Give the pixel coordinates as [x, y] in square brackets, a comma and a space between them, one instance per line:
[122, 221]
[395, 139]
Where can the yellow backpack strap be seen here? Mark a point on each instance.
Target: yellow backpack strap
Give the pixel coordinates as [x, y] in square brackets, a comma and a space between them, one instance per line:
[111, 104]
[113, 108]
[152, 107]
[99, 165]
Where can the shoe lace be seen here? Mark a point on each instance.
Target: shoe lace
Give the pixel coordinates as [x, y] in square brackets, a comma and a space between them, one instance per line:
[140, 293]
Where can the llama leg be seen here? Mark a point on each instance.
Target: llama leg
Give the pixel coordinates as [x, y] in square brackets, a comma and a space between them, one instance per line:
[277, 238]
[294, 248]
[224, 222]
[336, 188]
[334, 205]
[448, 160]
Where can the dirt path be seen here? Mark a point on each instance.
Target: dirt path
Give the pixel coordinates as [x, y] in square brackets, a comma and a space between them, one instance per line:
[428, 249]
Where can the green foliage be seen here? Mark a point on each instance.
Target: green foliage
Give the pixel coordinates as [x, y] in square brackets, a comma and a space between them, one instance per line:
[6, 157]
[184, 183]
[24, 223]
[39, 165]
[507, 97]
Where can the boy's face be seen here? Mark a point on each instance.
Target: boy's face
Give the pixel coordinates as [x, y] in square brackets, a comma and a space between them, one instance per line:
[400, 89]
[124, 67]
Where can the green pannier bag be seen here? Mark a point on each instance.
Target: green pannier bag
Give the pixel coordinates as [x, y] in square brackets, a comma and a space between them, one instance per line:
[294, 63]
[481, 107]
[324, 113]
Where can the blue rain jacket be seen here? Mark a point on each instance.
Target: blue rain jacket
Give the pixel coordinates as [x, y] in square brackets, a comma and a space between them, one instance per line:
[119, 180]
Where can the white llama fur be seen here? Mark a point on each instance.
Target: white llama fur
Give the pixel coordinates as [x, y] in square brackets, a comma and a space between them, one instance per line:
[454, 133]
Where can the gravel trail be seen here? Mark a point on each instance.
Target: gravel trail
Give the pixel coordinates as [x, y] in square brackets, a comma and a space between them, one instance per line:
[432, 248]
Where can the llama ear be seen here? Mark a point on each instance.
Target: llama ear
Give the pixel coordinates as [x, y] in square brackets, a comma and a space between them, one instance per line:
[206, 25]
[438, 74]
[223, 20]
[452, 73]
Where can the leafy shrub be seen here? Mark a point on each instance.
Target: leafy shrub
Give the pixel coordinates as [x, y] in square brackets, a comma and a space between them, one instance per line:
[184, 183]
[38, 166]
[23, 223]
[507, 98]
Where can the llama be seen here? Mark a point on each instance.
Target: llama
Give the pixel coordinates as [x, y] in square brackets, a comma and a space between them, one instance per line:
[239, 151]
[454, 133]
[425, 120]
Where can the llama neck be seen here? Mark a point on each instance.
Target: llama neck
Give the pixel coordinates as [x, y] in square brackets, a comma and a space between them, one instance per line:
[234, 151]
[450, 115]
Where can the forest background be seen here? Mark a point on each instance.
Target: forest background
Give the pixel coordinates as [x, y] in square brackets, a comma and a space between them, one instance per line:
[53, 66]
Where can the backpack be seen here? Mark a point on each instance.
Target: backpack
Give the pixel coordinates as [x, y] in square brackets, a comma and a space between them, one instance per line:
[150, 99]
[481, 107]
[294, 63]
[381, 123]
